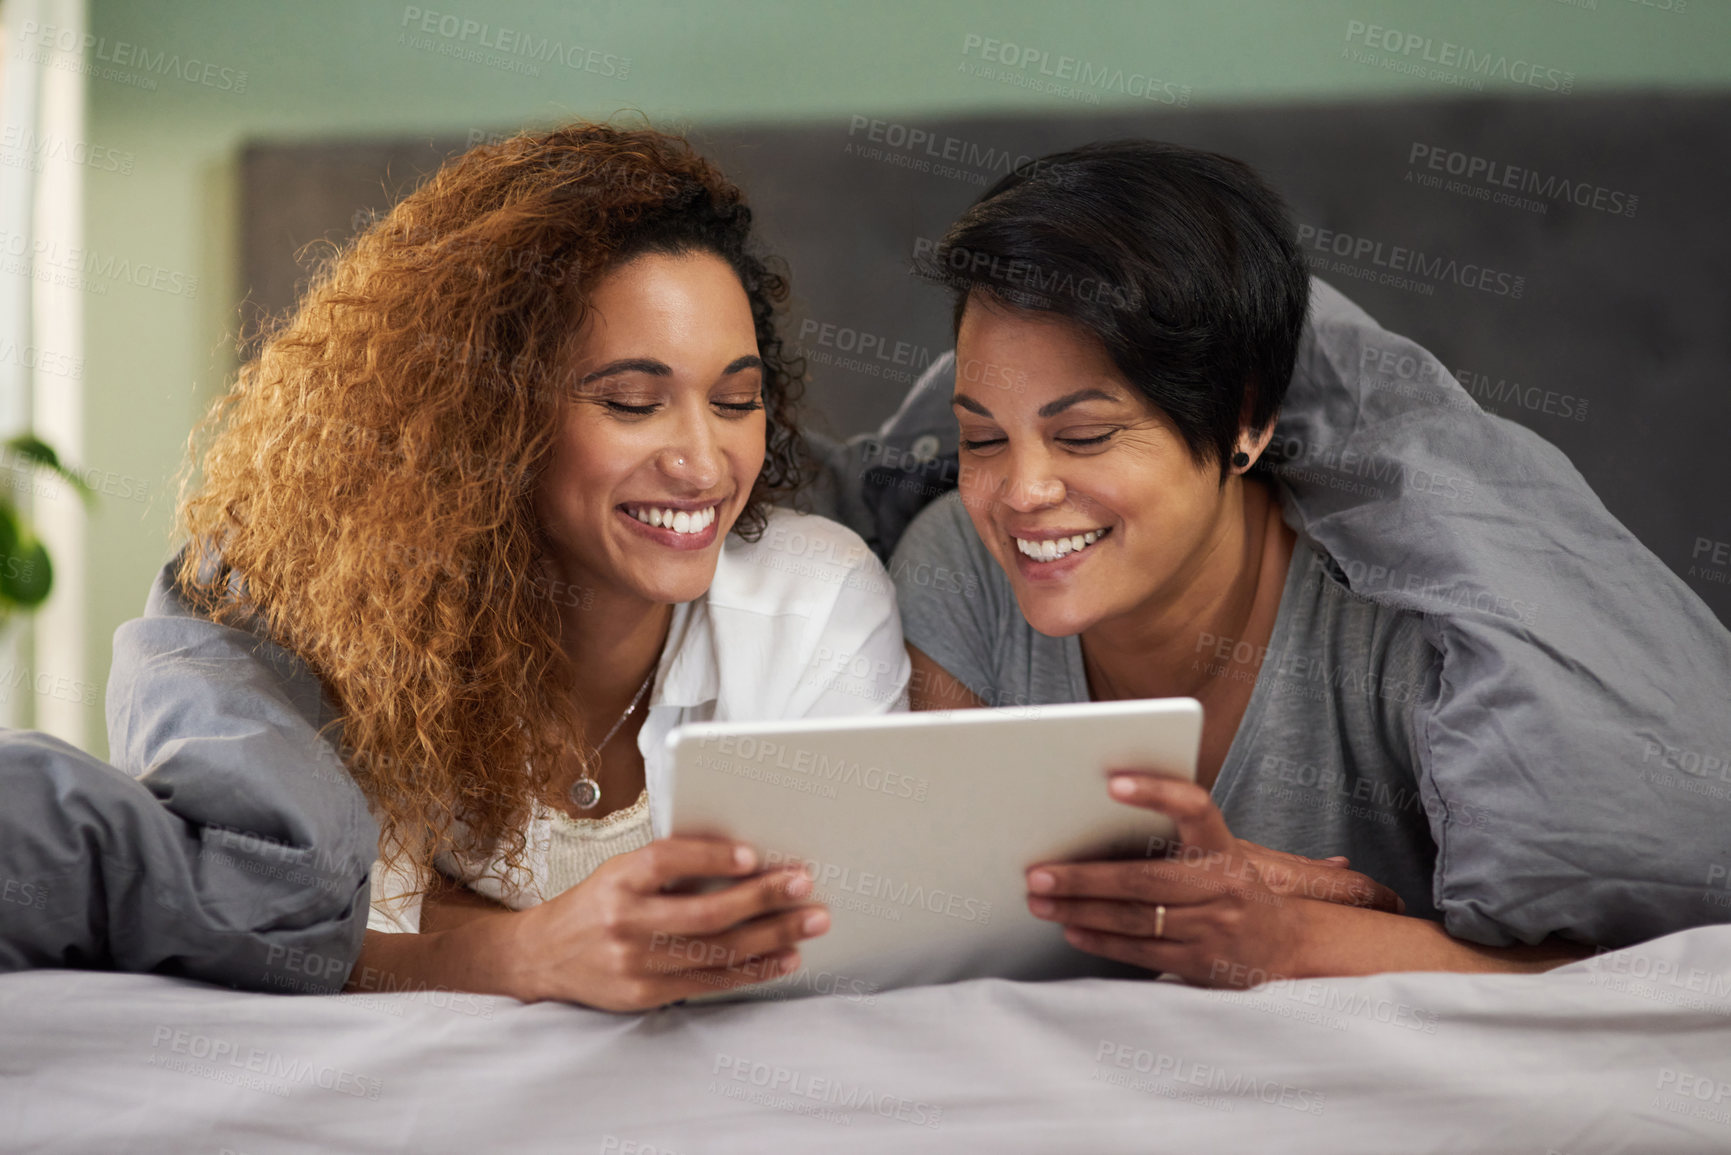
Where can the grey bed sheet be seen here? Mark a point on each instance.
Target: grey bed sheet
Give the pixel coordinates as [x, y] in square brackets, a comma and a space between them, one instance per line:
[1586, 690]
[240, 853]
[1625, 1052]
[100, 870]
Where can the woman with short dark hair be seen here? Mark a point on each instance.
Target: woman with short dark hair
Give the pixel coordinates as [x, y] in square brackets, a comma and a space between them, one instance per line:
[1129, 541]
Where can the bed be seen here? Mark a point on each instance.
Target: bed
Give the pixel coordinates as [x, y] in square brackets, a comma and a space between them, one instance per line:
[1629, 1051]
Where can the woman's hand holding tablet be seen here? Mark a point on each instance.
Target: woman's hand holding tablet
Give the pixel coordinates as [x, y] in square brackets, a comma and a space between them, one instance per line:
[1216, 910]
[620, 941]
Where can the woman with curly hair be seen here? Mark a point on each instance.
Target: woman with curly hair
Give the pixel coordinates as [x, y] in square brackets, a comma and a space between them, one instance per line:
[504, 483]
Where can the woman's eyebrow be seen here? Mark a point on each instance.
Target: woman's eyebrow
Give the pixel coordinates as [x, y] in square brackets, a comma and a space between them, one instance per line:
[1053, 408]
[1049, 409]
[629, 365]
[663, 369]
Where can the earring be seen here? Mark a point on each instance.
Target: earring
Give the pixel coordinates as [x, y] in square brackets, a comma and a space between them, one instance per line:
[1240, 459]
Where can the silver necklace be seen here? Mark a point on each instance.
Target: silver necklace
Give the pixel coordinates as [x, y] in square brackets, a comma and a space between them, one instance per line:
[585, 793]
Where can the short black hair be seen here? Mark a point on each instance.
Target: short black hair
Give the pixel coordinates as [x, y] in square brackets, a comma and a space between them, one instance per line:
[1184, 263]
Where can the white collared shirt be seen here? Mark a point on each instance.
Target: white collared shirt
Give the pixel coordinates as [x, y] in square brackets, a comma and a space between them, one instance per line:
[801, 623]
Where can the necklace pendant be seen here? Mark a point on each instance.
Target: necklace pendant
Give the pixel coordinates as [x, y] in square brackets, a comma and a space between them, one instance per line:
[585, 793]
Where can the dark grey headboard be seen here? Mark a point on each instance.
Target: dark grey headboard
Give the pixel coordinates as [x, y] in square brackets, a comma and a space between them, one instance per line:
[1567, 258]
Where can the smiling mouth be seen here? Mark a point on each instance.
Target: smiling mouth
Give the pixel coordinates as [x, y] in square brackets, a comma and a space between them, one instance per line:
[678, 520]
[1054, 548]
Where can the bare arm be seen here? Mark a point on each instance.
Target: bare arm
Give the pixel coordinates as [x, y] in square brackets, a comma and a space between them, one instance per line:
[451, 904]
[931, 687]
[454, 950]
[1346, 940]
[476, 955]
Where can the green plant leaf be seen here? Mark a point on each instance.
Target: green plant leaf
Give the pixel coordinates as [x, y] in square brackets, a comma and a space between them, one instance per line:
[33, 447]
[41, 455]
[8, 526]
[26, 575]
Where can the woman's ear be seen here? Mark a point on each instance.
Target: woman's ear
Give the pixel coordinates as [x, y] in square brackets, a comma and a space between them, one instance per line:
[1249, 447]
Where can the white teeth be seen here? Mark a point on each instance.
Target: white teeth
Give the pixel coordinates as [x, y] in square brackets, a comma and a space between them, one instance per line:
[678, 520]
[1053, 548]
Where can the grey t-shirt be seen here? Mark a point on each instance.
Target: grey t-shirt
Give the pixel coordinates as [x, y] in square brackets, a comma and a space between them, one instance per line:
[1324, 761]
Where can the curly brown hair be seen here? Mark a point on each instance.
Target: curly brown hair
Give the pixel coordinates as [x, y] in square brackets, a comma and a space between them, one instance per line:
[369, 478]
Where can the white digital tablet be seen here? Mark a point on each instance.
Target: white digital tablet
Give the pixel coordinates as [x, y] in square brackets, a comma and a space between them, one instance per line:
[918, 828]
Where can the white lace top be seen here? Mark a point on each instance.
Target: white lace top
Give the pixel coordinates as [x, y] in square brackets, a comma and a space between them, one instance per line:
[576, 846]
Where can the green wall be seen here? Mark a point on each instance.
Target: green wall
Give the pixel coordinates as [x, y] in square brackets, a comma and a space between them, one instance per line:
[323, 68]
